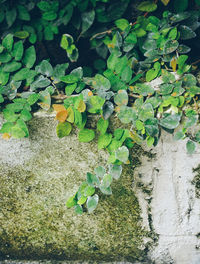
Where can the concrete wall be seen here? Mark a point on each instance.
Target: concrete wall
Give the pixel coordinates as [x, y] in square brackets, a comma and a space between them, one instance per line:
[152, 217]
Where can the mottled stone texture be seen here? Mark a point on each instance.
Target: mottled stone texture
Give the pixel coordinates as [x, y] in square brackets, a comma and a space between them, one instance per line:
[37, 175]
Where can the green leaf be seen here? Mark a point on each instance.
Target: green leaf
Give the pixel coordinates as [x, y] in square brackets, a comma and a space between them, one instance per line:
[170, 46]
[5, 57]
[63, 129]
[4, 77]
[23, 14]
[21, 34]
[115, 171]
[87, 20]
[127, 114]
[121, 98]
[104, 140]
[25, 115]
[147, 6]
[18, 50]
[122, 154]
[150, 141]
[10, 115]
[100, 171]
[29, 57]
[22, 125]
[21, 75]
[107, 191]
[107, 180]
[166, 88]
[180, 5]
[33, 98]
[112, 61]
[89, 191]
[92, 179]
[122, 23]
[86, 135]
[69, 89]
[170, 121]
[108, 109]
[71, 202]
[45, 68]
[66, 41]
[17, 132]
[101, 83]
[96, 104]
[8, 42]
[1, 98]
[69, 78]
[44, 5]
[82, 200]
[186, 32]
[7, 127]
[12, 66]
[144, 89]
[190, 145]
[146, 112]
[49, 15]
[92, 202]
[11, 15]
[183, 49]
[102, 125]
[126, 74]
[179, 135]
[78, 209]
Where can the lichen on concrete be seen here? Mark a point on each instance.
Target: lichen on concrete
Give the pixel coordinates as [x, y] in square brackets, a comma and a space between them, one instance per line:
[35, 223]
[196, 181]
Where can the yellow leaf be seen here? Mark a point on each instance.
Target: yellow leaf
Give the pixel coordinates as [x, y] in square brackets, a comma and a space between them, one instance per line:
[90, 93]
[6, 136]
[62, 116]
[173, 64]
[70, 117]
[81, 106]
[58, 107]
[165, 2]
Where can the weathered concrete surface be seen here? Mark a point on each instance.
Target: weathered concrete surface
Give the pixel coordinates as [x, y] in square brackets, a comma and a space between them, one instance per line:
[171, 201]
[37, 175]
[157, 195]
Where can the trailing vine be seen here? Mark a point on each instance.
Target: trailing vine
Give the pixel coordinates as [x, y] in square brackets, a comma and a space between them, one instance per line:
[140, 75]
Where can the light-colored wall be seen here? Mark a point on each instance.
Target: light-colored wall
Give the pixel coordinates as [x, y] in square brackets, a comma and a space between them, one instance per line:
[153, 214]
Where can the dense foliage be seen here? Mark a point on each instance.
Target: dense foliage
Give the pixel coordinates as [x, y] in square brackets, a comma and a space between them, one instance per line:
[100, 57]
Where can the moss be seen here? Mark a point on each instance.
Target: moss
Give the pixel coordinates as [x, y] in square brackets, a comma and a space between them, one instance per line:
[35, 223]
[196, 181]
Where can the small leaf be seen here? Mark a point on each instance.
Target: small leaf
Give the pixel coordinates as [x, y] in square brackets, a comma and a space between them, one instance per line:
[107, 180]
[190, 145]
[102, 126]
[170, 121]
[180, 5]
[78, 209]
[104, 140]
[121, 98]
[186, 32]
[23, 13]
[12, 66]
[122, 154]
[92, 179]
[21, 34]
[87, 20]
[147, 6]
[63, 129]
[71, 202]
[92, 202]
[18, 50]
[170, 46]
[89, 191]
[100, 171]
[29, 57]
[21, 75]
[179, 135]
[8, 42]
[81, 106]
[45, 68]
[150, 141]
[115, 171]
[86, 135]
[122, 23]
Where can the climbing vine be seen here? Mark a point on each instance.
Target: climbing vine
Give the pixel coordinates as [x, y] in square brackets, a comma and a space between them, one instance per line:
[140, 72]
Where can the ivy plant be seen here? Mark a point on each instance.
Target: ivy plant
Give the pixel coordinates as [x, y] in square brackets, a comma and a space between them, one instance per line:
[138, 71]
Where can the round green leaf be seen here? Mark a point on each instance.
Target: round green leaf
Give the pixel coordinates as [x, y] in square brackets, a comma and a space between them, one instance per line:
[92, 202]
[63, 129]
[86, 135]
